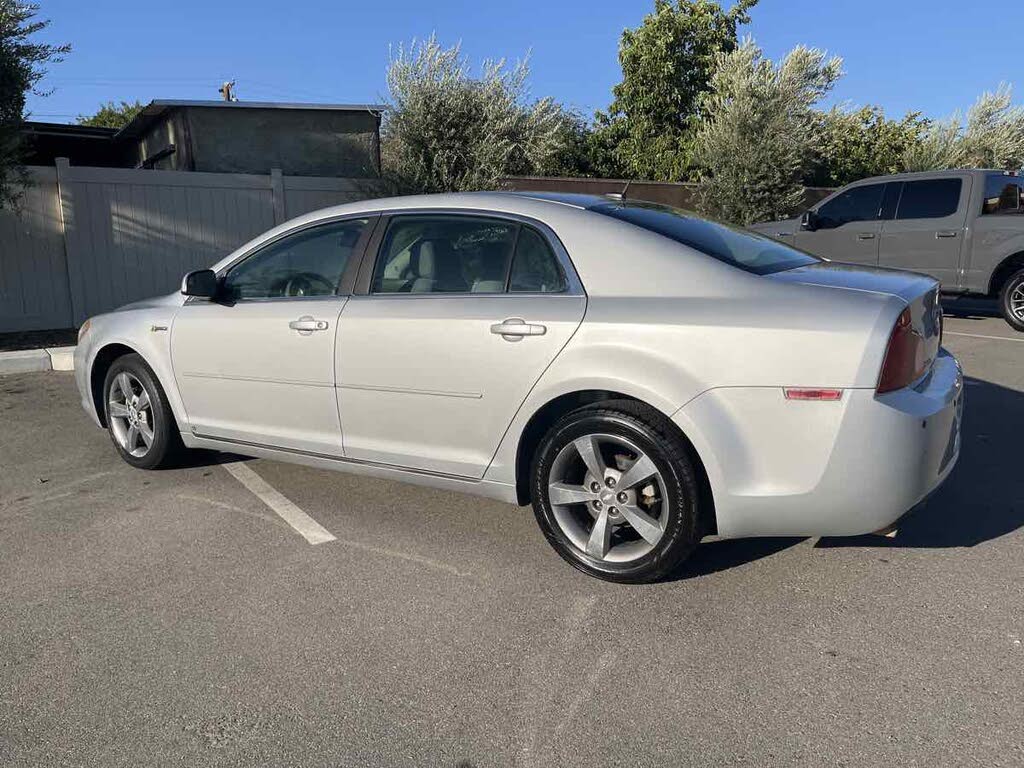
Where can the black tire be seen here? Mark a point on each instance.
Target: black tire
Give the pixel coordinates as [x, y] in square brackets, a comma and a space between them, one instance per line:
[1015, 283]
[655, 436]
[166, 446]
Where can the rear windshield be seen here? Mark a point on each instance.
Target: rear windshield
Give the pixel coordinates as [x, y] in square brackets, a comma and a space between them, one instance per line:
[743, 249]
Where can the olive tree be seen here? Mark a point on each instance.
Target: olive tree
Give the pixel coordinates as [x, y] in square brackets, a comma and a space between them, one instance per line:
[446, 130]
[853, 144]
[992, 136]
[757, 132]
[21, 68]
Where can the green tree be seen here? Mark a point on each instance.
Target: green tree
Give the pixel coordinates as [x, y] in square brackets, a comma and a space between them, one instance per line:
[22, 61]
[856, 144]
[757, 133]
[991, 137]
[447, 131]
[111, 115]
[667, 63]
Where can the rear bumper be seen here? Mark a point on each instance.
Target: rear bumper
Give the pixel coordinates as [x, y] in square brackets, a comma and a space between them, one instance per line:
[784, 468]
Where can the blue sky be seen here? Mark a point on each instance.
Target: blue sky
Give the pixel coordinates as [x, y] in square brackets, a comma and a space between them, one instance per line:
[901, 54]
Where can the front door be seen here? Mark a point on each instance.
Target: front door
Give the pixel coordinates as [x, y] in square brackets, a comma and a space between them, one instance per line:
[927, 232]
[462, 316]
[847, 226]
[257, 365]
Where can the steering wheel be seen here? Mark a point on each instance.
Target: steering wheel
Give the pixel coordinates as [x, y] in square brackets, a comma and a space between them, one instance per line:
[306, 283]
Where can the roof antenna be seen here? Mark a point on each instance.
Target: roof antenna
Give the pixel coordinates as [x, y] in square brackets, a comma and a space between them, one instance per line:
[620, 195]
[227, 91]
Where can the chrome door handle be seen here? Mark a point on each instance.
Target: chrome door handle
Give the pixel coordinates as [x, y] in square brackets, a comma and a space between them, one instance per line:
[306, 325]
[866, 236]
[514, 328]
[946, 233]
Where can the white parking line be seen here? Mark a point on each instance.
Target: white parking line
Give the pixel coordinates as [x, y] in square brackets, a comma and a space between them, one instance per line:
[310, 529]
[980, 336]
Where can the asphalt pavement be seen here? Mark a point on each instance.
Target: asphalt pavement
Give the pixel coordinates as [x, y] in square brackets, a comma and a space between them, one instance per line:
[173, 617]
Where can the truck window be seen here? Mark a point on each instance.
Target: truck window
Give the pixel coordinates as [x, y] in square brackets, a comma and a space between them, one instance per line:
[857, 204]
[929, 199]
[1002, 194]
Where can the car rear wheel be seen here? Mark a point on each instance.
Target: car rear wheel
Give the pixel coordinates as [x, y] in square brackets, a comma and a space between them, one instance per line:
[1011, 300]
[139, 418]
[615, 492]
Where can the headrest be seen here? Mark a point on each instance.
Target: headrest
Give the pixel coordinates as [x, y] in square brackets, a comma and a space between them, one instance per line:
[426, 259]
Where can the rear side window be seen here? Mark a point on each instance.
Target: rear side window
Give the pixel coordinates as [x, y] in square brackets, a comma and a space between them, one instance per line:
[445, 254]
[857, 204]
[738, 247]
[1002, 194]
[534, 268]
[929, 199]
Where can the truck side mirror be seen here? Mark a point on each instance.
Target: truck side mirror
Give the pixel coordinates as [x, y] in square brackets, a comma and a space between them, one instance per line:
[809, 221]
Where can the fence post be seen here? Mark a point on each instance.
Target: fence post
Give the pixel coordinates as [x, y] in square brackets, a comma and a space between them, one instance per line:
[67, 226]
[277, 192]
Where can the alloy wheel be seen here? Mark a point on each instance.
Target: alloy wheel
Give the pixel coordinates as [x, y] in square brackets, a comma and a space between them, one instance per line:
[607, 497]
[131, 414]
[1016, 301]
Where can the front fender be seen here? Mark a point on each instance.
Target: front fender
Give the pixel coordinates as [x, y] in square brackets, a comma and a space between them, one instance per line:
[147, 332]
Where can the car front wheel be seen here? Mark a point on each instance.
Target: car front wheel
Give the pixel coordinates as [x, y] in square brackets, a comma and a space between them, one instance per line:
[138, 415]
[615, 492]
[1011, 300]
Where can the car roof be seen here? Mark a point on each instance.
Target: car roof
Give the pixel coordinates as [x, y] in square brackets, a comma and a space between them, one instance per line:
[500, 199]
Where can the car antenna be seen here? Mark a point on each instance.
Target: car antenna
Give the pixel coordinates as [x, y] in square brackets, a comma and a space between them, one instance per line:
[620, 195]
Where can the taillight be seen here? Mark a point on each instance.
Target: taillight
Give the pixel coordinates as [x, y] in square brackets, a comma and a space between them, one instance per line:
[906, 357]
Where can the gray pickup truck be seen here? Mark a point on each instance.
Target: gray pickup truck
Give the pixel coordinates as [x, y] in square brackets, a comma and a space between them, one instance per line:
[965, 228]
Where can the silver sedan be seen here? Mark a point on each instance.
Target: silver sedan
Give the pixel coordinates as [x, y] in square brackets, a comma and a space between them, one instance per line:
[641, 376]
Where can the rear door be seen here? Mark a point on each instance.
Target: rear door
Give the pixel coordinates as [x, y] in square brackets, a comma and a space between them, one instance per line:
[847, 226]
[927, 231]
[457, 320]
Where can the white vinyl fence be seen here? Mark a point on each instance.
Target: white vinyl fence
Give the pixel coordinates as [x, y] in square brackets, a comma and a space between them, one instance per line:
[87, 240]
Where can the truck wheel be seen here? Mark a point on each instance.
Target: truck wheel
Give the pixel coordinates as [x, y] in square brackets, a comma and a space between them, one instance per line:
[1011, 300]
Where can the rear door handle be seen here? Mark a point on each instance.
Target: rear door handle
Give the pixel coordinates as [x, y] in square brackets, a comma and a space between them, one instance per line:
[946, 233]
[514, 328]
[306, 325]
[866, 236]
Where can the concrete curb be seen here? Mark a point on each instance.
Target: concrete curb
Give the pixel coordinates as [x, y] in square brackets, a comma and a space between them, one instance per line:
[62, 358]
[33, 360]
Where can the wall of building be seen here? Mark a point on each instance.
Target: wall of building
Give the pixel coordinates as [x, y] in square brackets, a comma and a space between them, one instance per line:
[299, 142]
[172, 129]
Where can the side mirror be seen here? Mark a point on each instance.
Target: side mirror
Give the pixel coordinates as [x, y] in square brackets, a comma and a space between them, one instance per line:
[202, 283]
[809, 221]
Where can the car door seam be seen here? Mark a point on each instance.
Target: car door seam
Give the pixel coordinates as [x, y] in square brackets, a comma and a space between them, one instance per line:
[504, 434]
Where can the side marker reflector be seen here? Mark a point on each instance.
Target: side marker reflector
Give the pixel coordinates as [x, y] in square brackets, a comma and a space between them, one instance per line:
[802, 393]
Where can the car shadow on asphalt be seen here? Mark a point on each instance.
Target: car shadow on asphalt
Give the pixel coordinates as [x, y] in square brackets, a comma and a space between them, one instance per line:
[970, 308]
[201, 457]
[714, 556]
[983, 498]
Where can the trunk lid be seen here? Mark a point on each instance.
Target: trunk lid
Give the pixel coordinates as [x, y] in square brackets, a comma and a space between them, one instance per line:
[920, 292]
